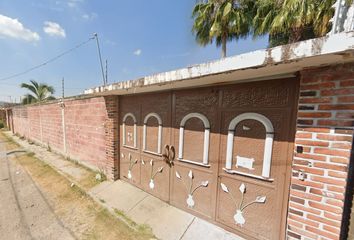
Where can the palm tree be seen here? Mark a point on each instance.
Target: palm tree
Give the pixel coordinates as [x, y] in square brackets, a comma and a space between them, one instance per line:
[265, 12]
[222, 20]
[323, 16]
[293, 20]
[294, 17]
[39, 92]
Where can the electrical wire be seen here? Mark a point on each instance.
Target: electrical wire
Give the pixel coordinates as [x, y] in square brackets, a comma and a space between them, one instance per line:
[56, 86]
[47, 62]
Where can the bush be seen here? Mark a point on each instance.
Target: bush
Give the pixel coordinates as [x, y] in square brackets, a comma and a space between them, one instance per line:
[2, 125]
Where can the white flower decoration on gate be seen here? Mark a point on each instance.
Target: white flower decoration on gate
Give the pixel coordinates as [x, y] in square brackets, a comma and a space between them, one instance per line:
[131, 165]
[152, 173]
[190, 189]
[238, 217]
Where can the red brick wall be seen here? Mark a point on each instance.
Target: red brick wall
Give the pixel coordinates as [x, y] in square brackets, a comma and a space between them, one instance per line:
[85, 130]
[51, 122]
[20, 121]
[324, 132]
[3, 116]
[85, 121]
[112, 136]
[34, 126]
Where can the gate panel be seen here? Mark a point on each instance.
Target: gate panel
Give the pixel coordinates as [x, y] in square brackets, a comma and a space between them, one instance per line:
[193, 181]
[156, 117]
[130, 139]
[255, 144]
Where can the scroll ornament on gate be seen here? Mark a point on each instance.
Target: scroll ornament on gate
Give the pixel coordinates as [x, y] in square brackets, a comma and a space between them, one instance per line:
[190, 189]
[169, 155]
[131, 165]
[152, 173]
[238, 217]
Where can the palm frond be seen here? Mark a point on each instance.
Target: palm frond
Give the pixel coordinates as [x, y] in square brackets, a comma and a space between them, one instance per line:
[28, 99]
[40, 92]
[29, 87]
[50, 98]
[222, 21]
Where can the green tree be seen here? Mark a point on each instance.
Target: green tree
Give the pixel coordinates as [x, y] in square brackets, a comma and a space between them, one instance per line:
[39, 92]
[289, 21]
[222, 21]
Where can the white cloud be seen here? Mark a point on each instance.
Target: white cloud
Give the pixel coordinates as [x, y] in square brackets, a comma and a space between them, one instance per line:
[110, 42]
[74, 3]
[54, 29]
[10, 27]
[90, 16]
[71, 4]
[137, 52]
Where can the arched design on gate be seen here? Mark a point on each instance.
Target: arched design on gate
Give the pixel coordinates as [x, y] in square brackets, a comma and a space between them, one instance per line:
[159, 137]
[268, 146]
[206, 123]
[129, 115]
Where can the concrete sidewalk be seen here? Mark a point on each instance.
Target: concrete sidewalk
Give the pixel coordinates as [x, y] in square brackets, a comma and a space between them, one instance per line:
[166, 221]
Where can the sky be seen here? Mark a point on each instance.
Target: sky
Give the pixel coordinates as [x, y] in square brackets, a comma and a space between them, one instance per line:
[137, 38]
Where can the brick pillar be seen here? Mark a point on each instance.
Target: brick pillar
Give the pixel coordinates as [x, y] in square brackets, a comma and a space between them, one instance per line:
[323, 144]
[8, 119]
[112, 137]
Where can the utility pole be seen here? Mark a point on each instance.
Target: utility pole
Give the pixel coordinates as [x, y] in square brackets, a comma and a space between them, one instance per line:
[99, 55]
[106, 71]
[62, 105]
[62, 88]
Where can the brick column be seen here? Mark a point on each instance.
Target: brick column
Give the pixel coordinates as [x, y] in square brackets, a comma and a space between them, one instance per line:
[323, 144]
[112, 137]
[8, 119]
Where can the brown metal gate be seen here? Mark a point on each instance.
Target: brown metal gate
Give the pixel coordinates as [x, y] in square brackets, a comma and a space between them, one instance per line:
[231, 148]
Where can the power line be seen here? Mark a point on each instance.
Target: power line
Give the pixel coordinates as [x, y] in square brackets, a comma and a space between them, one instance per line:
[49, 61]
[54, 85]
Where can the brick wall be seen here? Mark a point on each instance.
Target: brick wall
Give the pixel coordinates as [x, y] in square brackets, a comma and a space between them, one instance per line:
[34, 123]
[112, 136]
[3, 116]
[52, 130]
[85, 134]
[20, 121]
[322, 151]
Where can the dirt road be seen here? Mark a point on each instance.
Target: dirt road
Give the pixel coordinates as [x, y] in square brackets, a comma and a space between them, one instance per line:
[24, 211]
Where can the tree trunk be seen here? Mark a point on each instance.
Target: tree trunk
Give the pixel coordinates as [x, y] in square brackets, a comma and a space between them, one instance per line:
[223, 53]
[295, 35]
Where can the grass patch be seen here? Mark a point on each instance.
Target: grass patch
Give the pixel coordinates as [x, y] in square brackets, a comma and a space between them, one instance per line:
[31, 154]
[10, 143]
[87, 181]
[140, 228]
